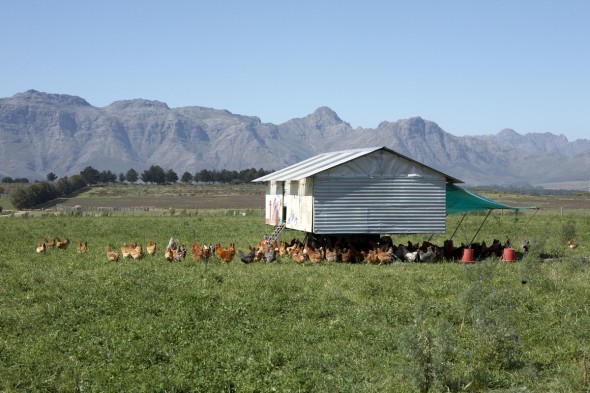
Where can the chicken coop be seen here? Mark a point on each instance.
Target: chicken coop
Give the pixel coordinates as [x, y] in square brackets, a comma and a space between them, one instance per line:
[369, 191]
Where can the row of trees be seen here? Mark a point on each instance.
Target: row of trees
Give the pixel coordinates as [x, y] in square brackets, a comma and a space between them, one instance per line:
[157, 175]
[8, 180]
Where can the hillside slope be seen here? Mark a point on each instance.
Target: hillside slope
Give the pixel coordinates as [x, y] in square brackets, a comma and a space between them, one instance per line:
[59, 133]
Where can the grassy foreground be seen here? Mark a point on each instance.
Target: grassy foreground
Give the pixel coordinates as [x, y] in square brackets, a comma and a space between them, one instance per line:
[76, 322]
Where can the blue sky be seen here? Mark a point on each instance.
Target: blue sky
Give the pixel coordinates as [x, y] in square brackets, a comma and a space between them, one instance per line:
[473, 67]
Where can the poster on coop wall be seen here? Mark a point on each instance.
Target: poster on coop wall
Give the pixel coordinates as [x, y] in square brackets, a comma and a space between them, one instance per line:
[274, 209]
[299, 212]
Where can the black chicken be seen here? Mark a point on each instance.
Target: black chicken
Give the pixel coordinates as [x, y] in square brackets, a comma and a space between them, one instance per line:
[270, 254]
[246, 257]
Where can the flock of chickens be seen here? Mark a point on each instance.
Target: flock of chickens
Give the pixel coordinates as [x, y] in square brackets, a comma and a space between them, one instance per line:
[380, 253]
[385, 251]
[311, 250]
[59, 244]
[174, 251]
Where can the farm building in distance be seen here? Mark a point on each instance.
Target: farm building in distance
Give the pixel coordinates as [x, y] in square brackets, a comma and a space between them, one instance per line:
[367, 191]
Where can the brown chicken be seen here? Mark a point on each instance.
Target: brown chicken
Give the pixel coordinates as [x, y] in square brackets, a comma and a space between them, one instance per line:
[349, 255]
[196, 252]
[150, 247]
[225, 254]
[385, 256]
[294, 247]
[169, 253]
[202, 253]
[331, 254]
[207, 252]
[314, 256]
[296, 253]
[180, 252]
[299, 256]
[111, 255]
[82, 247]
[258, 253]
[137, 252]
[282, 248]
[49, 244]
[41, 248]
[370, 257]
[62, 245]
[126, 249]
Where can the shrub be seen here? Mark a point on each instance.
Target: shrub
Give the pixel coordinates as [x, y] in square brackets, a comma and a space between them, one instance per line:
[567, 231]
[19, 199]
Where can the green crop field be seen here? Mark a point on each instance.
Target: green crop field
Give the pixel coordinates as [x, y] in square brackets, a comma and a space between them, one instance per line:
[77, 322]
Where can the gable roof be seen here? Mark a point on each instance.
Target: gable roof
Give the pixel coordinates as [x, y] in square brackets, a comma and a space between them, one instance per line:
[325, 161]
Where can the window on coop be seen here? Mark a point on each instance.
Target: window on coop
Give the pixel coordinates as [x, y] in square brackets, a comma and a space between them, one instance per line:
[305, 187]
[291, 188]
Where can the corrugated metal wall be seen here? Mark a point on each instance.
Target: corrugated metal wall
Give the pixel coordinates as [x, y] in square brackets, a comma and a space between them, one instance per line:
[377, 206]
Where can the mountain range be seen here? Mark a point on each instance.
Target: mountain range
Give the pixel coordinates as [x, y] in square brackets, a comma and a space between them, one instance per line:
[42, 133]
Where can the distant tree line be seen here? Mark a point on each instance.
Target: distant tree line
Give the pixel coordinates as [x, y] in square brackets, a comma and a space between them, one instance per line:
[155, 174]
[41, 192]
[9, 180]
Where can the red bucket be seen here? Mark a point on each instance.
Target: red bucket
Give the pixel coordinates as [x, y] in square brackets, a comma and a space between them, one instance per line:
[509, 255]
[467, 256]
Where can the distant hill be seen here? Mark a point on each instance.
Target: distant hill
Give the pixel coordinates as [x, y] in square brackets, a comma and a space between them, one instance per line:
[59, 133]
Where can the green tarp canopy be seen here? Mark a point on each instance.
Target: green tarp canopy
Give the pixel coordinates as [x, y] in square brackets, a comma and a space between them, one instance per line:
[459, 200]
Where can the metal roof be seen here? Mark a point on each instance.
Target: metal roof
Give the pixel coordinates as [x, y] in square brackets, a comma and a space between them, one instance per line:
[325, 161]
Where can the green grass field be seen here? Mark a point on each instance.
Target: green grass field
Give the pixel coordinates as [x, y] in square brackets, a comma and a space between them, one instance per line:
[76, 322]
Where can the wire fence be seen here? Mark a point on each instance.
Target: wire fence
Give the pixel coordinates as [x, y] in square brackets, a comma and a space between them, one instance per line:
[61, 207]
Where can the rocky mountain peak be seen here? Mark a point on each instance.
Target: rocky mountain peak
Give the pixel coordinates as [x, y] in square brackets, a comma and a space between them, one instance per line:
[138, 104]
[414, 122]
[324, 117]
[37, 97]
[508, 134]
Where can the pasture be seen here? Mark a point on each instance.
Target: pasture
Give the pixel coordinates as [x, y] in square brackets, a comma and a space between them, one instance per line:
[77, 322]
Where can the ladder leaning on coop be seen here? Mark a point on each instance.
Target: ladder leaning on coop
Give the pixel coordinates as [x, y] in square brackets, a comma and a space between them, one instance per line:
[275, 235]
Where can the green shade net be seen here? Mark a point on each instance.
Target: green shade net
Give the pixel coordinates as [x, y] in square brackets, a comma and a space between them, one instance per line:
[459, 200]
